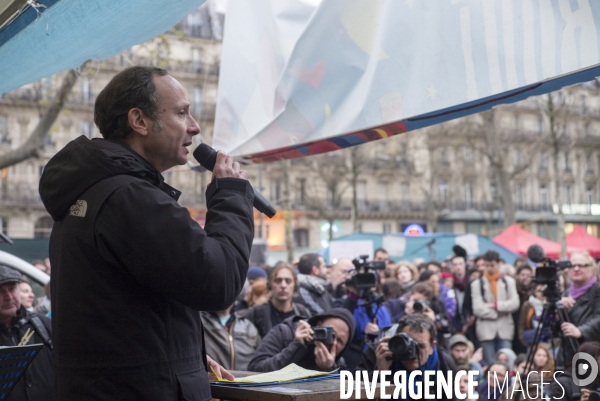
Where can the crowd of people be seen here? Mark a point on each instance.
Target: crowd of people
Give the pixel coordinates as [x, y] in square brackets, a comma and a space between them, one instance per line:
[478, 314]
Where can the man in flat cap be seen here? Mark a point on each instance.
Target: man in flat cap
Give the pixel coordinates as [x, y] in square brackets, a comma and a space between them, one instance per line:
[20, 327]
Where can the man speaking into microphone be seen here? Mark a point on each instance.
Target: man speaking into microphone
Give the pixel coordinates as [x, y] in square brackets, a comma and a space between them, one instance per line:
[131, 268]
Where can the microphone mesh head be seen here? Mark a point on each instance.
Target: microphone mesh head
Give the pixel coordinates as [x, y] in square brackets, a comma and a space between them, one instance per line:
[206, 156]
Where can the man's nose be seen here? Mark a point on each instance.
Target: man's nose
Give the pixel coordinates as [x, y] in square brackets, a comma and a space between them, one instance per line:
[194, 127]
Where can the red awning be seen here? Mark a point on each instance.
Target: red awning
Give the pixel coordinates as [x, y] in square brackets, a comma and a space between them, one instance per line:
[518, 240]
[580, 238]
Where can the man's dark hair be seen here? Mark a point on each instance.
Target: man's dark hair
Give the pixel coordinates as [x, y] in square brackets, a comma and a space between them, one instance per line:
[132, 88]
[524, 267]
[520, 359]
[426, 275]
[424, 289]
[418, 323]
[477, 258]
[380, 250]
[306, 263]
[491, 256]
[391, 289]
[436, 264]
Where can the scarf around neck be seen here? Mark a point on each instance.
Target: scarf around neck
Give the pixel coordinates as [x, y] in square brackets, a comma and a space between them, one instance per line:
[576, 292]
[493, 280]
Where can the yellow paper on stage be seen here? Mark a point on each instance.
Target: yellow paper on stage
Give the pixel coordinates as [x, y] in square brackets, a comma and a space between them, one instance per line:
[289, 373]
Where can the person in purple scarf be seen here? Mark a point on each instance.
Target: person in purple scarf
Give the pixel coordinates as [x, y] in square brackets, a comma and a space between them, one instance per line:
[582, 301]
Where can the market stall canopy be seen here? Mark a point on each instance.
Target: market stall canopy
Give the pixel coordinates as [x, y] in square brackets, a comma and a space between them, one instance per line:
[304, 77]
[580, 238]
[519, 240]
[44, 37]
[401, 247]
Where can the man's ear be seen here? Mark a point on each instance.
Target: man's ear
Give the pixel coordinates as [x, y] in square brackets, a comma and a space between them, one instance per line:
[433, 347]
[138, 121]
[315, 271]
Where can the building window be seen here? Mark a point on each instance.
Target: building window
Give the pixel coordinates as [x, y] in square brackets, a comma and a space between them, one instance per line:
[519, 194]
[589, 194]
[86, 90]
[540, 125]
[43, 227]
[494, 192]
[565, 162]
[301, 238]
[443, 187]
[87, 129]
[544, 161]
[4, 129]
[468, 154]
[404, 191]
[196, 101]
[543, 195]
[468, 194]
[196, 61]
[517, 156]
[3, 224]
[301, 190]
[276, 190]
[589, 163]
[383, 192]
[361, 193]
[568, 194]
[387, 228]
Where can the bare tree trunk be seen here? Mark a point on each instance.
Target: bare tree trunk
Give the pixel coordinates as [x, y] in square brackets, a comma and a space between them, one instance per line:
[35, 142]
[289, 234]
[508, 204]
[557, 175]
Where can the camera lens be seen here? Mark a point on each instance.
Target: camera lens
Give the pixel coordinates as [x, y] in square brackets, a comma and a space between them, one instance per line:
[398, 345]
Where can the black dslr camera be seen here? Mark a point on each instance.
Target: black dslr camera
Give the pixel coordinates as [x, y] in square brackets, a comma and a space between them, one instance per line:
[403, 347]
[594, 395]
[420, 306]
[324, 334]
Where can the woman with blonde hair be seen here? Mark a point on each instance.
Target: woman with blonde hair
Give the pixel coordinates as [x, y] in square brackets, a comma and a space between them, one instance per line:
[582, 301]
[406, 273]
[543, 360]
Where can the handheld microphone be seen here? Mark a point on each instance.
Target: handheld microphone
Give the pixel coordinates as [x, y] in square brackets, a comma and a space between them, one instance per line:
[207, 157]
[535, 253]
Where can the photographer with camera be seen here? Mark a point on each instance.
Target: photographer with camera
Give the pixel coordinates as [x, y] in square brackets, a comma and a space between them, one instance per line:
[582, 302]
[366, 306]
[317, 343]
[408, 345]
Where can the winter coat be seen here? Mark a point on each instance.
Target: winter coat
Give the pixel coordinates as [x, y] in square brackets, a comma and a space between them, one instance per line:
[280, 347]
[312, 293]
[232, 345]
[130, 271]
[499, 321]
[585, 314]
[38, 381]
[260, 316]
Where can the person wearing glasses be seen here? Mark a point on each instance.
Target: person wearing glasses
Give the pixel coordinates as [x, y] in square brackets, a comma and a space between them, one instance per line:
[582, 301]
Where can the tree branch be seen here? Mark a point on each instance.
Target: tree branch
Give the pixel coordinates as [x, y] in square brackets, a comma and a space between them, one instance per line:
[35, 142]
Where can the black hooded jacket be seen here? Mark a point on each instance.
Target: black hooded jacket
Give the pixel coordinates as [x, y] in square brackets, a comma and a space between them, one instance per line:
[280, 348]
[131, 269]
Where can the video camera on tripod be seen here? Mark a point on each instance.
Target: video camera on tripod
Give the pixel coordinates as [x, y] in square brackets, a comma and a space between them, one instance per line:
[554, 312]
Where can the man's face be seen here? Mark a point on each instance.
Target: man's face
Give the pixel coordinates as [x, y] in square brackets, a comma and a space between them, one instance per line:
[460, 353]
[425, 348]
[492, 266]
[27, 295]
[340, 272]
[458, 268]
[342, 333]
[321, 269]
[170, 135]
[500, 373]
[10, 299]
[481, 263]
[282, 287]
[524, 276]
[434, 268]
[379, 255]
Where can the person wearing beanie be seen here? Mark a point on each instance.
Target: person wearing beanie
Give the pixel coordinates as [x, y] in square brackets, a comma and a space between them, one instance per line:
[256, 272]
[292, 342]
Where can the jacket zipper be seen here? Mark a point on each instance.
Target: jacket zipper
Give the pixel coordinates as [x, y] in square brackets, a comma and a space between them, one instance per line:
[231, 345]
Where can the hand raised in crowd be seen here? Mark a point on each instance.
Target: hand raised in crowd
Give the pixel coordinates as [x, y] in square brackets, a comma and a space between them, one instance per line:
[468, 323]
[323, 358]
[568, 302]
[477, 355]
[371, 328]
[382, 353]
[570, 330]
[225, 167]
[304, 332]
[585, 394]
[219, 370]
[428, 312]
